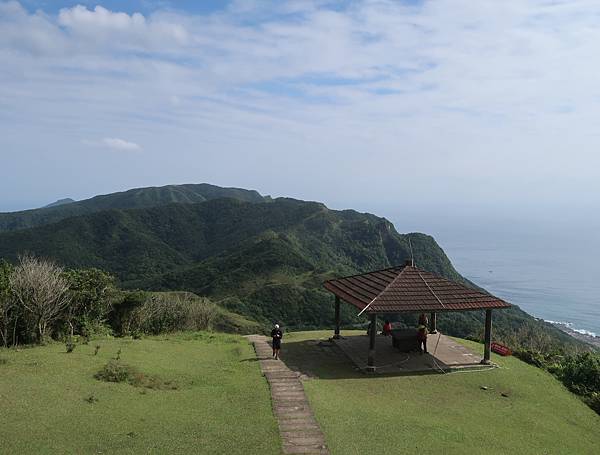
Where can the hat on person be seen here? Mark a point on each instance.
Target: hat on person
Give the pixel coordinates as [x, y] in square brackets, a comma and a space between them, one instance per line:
[276, 326]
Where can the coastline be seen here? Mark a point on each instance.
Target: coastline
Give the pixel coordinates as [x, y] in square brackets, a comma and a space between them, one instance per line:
[565, 327]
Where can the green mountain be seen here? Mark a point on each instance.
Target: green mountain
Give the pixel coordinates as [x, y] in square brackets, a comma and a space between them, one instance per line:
[64, 201]
[135, 198]
[266, 261]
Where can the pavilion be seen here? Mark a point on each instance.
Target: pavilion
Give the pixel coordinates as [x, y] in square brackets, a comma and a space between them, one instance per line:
[408, 289]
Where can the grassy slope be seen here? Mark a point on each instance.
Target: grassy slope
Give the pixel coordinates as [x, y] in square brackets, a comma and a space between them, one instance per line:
[451, 414]
[222, 404]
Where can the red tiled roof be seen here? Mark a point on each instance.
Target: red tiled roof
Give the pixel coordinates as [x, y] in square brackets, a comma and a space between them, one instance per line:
[409, 289]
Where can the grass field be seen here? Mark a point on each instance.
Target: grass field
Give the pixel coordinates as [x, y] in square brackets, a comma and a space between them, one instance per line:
[446, 414]
[51, 403]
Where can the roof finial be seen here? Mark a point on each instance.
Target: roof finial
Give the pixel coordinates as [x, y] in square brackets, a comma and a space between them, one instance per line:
[410, 262]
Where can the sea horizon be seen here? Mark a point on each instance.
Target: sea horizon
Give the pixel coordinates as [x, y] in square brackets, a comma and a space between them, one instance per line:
[547, 268]
[546, 284]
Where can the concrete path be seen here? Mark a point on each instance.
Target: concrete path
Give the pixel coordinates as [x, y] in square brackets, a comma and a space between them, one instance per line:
[300, 432]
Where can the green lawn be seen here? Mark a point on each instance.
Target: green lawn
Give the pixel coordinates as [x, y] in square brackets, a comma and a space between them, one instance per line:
[222, 404]
[446, 414]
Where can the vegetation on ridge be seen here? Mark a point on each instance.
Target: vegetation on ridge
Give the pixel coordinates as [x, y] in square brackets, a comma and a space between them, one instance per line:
[40, 301]
[265, 261]
[134, 198]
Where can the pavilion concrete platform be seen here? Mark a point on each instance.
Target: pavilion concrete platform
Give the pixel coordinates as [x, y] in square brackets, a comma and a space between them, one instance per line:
[449, 355]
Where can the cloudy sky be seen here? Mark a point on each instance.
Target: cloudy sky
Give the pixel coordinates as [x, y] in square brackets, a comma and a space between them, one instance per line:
[449, 106]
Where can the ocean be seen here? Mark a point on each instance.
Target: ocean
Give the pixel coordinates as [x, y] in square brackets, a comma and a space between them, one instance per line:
[551, 272]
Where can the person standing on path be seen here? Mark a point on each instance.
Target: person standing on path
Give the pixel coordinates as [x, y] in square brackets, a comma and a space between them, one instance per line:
[277, 335]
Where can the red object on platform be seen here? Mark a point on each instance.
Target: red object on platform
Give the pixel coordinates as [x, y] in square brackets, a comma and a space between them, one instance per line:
[501, 349]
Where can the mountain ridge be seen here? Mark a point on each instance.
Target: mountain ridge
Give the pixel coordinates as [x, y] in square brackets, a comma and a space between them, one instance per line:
[263, 260]
[59, 202]
[129, 199]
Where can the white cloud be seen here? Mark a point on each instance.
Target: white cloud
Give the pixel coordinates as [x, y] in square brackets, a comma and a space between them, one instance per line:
[454, 93]
[119, 144]
[103, 30]
[114, 143]
[80, 17]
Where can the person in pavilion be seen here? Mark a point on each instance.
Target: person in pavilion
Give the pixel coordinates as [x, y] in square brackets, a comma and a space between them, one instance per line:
[422, 334]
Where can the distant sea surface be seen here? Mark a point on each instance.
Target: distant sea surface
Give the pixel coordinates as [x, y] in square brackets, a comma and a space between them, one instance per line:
[549, 269]
[553, 278]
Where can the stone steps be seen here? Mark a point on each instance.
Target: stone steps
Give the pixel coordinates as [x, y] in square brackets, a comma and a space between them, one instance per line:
[300, 433]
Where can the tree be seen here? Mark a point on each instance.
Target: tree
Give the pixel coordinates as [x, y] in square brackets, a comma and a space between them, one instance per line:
[90, 291]
[122, 314]
[40, 288]
[7, 304]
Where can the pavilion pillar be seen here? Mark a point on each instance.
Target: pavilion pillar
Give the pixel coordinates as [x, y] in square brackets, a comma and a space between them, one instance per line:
[487, 337]
[372, 335]
[433, 323]
[336, 331]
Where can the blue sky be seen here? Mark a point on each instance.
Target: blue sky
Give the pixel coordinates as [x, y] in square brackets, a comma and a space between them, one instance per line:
[433, 108]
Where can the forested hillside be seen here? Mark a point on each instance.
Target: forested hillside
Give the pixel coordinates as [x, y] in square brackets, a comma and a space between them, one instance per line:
[266, 261]
[135, 198]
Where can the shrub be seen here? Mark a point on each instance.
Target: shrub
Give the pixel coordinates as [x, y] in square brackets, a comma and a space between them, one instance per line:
[593, 401]
[535, 358]
[531, 337]
[160, 314]
[91, 292]
[581, 373]
[163, 313]
[96, 329]
[201, 314]
[122, 315]
[115, 371]
[549, 359]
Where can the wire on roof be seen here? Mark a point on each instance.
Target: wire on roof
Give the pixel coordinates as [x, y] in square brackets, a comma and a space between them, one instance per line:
[429, 287]
[384, 289]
